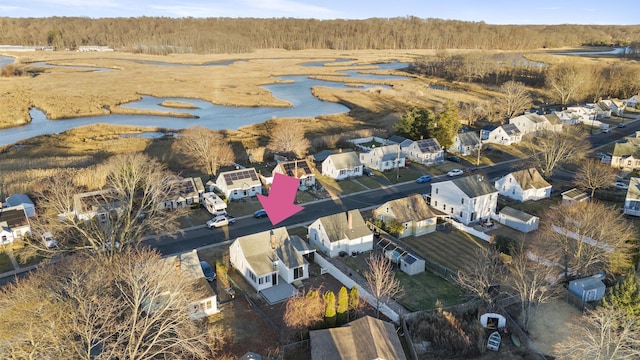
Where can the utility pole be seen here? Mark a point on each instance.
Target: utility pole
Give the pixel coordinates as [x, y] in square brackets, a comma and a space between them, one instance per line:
[479, 148]
[398, 165]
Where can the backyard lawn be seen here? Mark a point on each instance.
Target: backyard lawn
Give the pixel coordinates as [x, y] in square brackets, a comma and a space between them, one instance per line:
[5, 263]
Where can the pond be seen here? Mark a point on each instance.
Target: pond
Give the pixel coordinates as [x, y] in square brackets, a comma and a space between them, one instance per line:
[297, 92]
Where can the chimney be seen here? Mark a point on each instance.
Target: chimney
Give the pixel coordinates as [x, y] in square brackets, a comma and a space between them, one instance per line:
[272, 237]
[340, 151]
[177, 265]
[350, 220]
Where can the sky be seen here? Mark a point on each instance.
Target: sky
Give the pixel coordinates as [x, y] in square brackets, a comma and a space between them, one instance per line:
[544, 12]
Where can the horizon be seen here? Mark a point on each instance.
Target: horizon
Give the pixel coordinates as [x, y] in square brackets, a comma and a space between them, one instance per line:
[494, 12]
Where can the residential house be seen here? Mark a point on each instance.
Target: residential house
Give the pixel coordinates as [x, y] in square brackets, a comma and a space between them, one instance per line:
[299, 169]
[485, 131]
[519, 220]
[238, 184]
[574, 195]
[632, 200]
[396, 139]
[383, 158]
[321, 156]
[187, 264]
[266, 258]
[341, 232]
[416, 217]
[602, 110]
[342, 166]
[21, 199]
[467, 199]
[533, 123]
[524, 185]
[506, 134]
[92, 204]
[366, 338]
[616, 106]
[626, 153]
[632, 102]
[14, 224]
[425, 151]
[465, 143]
[184, 192]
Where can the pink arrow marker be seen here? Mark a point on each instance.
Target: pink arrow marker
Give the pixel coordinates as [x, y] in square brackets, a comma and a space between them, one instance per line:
[279, 204]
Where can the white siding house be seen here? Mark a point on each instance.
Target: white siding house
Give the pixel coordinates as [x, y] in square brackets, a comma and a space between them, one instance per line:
[524, 185]
[184, 192]
[14, 224]
[383, 158]
[299, 169]
[239, 184]
[425, 151]
[626, 154]
[342, 166]
[518, 220]
[465, 143]
[412, 212]
[341, 232]
[534, 123]
[632, 200]
[467, 199]
[266, 257]
[506, 134]
[21, 199]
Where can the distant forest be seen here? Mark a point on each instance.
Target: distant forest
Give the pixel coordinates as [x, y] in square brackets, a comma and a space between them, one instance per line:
[239, 35]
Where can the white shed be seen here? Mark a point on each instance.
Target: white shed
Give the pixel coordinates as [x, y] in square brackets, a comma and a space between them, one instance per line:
[588, 289]
[518, 220]
[412, 264]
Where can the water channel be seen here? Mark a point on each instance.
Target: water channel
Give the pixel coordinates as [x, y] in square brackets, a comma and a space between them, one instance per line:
[297, 92]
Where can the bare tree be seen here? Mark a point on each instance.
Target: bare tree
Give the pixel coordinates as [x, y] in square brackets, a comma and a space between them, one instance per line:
[604, 334]
[132, 202]
[288, 137]
[531, 282]
[593, 175]
[516, 98]
[565, 81]
[573, 235]
[481, 275]
[550, 149]
[134, 307]
[381, 280]
[205, 149]
[304, 310]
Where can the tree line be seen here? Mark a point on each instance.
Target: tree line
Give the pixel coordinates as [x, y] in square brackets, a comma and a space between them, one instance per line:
[239, 35]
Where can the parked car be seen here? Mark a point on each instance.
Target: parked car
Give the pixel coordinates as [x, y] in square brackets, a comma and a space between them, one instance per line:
[620, 185]
[207, 270]
[423, 179]
[621, 125]
[230, 219]
[367, 171]
[260, 214]
[454, 159]
[455, 172]
[218, 221]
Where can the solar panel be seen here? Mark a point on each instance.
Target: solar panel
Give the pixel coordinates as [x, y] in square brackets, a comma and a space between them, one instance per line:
[240, 175]
[428, 145]
[299, 165]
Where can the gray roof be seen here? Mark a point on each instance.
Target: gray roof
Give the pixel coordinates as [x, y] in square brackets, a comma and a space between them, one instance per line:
[575, 194]
[511, 129]
[388, 152]
[553, 119]
[474, 185]
[530, 179]
[517, 214]
[322, 155]
[337, 226]
[18, 199]
[589, 283]
[634, 189]
[396, 139]
[630, 147]
[260, 253]
[348, 160]
[469, 138]
[410, 208]
[366, 338]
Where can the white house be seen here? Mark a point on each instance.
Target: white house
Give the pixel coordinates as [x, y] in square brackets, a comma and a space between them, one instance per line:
[21, 199]
[632, 200]
[506, 134]
[616, 106]
[92, 204]
[412, 212]
[518, 220]
[524, 185]
[383, 158]
[299, 169]
[238, 184]
[467, 199]
[342, 166]
[14, 224]
[626, 153]
[533, 123]
[184, 192]
[465, 143]
[266, 258]
[341, 232]
[632, 102]
[425, 151]
[187, 264]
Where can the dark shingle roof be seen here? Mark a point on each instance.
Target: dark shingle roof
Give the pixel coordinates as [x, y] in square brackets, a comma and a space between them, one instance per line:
[14, 217]
[530, 179]
[410, 208]
[475, 185]
[428, 146]
[510, 129]
[469, 138]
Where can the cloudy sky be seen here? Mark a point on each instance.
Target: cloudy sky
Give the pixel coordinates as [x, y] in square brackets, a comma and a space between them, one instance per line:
[613, 12]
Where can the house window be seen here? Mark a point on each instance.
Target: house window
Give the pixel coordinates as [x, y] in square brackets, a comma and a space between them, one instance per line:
[462, 201]
[460, 213]
[343, 172]
[298, 272]
[475, 201]
[509, 180]
[207, 305]
[252, 276]
[452, 210]
[260, 281]
[267, 279]
[444, 207]
[4, 238]
[504, 188]
[513, 191]
[436, 190]
[435, 203]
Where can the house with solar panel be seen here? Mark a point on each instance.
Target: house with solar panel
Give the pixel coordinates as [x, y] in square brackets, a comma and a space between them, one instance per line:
[506, 134]
[14, 224]
[425, 151]
[342, 166]
[299, 169]
[239, 184]
[383, 158]
[184, 192]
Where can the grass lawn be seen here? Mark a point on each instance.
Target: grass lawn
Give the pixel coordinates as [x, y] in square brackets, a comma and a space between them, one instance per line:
[301, 231]
[304, 197]
[406, 174]
[369, 182]
[421, 291]
[451, 248]
[338, 188]
[5, 263]
[243, 207]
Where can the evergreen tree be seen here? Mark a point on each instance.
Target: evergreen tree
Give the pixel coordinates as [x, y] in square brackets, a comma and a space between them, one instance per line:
[330, 309]
[343, 306]
[416, 123]
[448, 124]
[354, 301]
[625, 296]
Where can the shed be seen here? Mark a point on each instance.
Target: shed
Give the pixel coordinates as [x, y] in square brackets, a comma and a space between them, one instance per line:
[518, 220]
[393, 255]
[412, 264]
[587, 289]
